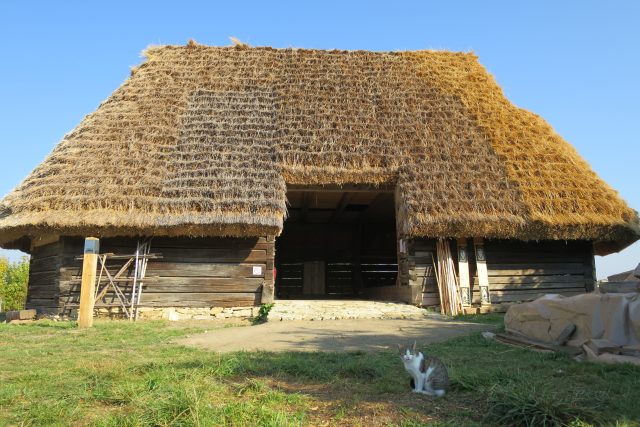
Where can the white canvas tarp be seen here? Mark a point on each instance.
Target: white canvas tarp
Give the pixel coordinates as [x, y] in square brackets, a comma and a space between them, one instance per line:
[611, 317]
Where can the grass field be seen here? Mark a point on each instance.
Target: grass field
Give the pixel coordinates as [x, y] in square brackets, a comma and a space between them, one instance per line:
[121, 374]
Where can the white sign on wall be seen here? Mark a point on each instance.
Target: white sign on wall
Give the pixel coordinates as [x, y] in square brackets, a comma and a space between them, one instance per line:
[257, 270]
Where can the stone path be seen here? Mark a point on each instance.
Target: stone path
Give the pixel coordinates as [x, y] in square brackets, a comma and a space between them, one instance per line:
[343, 309]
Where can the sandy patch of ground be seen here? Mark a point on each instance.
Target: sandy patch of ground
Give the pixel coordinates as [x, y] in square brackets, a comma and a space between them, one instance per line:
[331, 335]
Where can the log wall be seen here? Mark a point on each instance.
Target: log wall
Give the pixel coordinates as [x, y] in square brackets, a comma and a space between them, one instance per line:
[198, 272]
[43, 291]
[518, 271]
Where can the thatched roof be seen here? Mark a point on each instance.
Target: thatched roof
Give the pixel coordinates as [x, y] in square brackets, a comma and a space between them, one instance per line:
[203, 140]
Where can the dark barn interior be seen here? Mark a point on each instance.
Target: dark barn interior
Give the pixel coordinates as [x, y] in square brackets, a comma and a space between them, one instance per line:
[336, 243]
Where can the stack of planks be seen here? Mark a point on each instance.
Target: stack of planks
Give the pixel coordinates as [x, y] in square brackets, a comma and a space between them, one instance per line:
[450, 303]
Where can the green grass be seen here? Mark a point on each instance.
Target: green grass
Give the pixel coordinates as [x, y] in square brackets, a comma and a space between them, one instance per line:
[495, 319]
[122, 374]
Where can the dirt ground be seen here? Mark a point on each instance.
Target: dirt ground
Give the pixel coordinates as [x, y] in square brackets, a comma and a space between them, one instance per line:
[331, 335]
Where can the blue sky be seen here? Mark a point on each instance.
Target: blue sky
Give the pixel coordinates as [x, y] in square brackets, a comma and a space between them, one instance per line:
[573, 62]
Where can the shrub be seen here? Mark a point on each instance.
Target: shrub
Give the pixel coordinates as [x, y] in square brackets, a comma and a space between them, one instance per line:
[14, 278]
[263, 313]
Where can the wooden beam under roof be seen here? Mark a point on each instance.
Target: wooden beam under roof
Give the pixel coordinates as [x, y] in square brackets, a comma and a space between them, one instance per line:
[342, 188]
[304, 206]
[342, 204]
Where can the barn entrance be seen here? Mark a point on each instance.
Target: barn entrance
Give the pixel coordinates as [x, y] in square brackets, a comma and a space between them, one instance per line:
[336, 243]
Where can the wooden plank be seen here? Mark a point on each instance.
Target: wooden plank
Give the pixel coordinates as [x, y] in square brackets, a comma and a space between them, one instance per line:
[185, 300]
[523, 296]
[37, 303]
[189, 255]
[534, 269]
[42, 264]
[463, 273]
[184, 270]
[52, 249]
[45, 291]
[521, 341]
[352, 188]
[200, 299]
[128, 245]
[590, 270]
[481, 267]
[537, 286]
[527, 280]
[534, 257]
[267, 295]
[580, 289]
[566, 268]
[88, 286]
[204, 285]
[314, 278]
[43, 278]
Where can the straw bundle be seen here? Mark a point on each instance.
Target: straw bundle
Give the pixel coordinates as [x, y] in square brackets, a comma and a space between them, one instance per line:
[202, 141]
[450, 302]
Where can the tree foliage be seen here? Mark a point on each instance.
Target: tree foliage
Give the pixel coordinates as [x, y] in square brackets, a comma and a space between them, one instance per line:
[14, 277]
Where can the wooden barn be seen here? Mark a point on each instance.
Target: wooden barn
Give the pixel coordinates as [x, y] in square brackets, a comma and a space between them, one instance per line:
[261, 173]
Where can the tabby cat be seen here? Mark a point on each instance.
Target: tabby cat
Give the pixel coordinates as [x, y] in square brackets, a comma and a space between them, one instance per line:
[428, 374]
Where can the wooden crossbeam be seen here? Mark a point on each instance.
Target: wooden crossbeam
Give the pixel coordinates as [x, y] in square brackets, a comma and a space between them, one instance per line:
[378, 199]
[112, 279]
[341, 188]
[113, 256]
[342, 204]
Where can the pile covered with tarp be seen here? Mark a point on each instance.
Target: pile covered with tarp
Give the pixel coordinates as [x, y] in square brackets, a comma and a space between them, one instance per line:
[605, 326]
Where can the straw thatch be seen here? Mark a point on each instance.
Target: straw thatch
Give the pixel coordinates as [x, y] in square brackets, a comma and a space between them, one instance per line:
[201, 141]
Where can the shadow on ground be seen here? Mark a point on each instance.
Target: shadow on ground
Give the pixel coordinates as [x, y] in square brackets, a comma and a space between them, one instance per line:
[332, 335]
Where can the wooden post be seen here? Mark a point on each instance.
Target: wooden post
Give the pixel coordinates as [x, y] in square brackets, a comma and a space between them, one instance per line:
[590, 270]
[483, 275]
[88, 286]
[463, 273]
[356, 240]
[268, 289]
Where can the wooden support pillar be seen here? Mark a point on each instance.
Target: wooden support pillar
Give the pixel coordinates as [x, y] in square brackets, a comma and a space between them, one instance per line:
[463, 273]
[268, 289]
[357, 260]
[590, 270]
[483, 275]
[88, 285]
